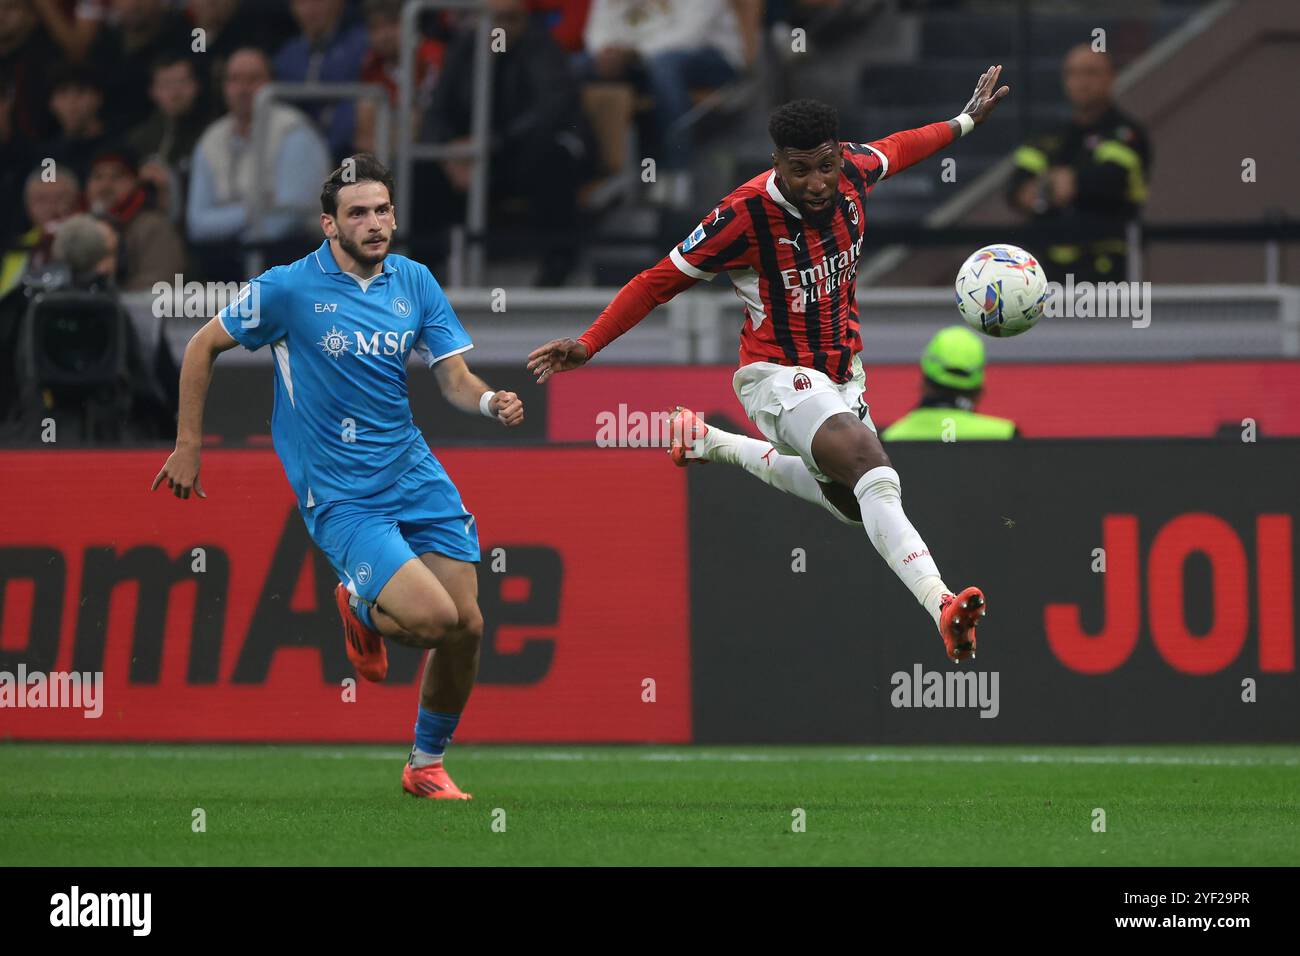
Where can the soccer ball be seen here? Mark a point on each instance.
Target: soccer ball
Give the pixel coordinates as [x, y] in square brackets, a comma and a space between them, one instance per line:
[1001, 291]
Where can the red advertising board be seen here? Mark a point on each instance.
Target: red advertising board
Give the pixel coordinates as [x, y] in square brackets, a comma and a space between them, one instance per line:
[97, 574]
[1047, 400]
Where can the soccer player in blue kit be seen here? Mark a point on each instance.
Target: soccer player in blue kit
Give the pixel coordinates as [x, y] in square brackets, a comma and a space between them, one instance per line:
[341, 323]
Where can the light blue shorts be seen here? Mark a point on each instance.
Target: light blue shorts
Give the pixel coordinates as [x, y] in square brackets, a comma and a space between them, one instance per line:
[368, 539]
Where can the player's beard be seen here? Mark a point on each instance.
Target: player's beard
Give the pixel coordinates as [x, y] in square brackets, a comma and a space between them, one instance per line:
[360, 254]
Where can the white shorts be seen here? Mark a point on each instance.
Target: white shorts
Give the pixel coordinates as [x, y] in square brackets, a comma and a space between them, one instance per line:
[789, 403]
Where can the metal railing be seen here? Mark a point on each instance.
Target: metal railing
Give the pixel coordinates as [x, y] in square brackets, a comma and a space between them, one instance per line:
[1180, 322]
[409, 151]
[703, 326]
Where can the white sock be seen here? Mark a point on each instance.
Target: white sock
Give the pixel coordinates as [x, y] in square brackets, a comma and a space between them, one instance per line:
[784, 472]
[881, 499]
[421, 759]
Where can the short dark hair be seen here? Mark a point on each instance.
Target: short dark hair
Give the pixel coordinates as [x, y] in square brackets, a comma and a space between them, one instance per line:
[67, 76]
[388, 9]
[361, 168]
[120, 153]
[804, 124]
[170, 58]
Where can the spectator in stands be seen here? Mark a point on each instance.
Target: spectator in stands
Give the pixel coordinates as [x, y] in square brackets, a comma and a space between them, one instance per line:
[383, 21]
[48, 202]
[132, 403]
[88, 246]
[152, 250]
[566, 19]
[17, 157]
[1090, 174]
[668, 49]
[540, 144]
[952, 380]
[72, 24]
[138, 33]
[77, 103]
[84, 250]
[167, 139]
[381, 64]
[329, 50]
[27, 56]
[228, 25]
[226, 182]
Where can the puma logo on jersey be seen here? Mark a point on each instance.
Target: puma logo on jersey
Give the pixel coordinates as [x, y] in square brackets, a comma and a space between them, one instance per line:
[791, 242]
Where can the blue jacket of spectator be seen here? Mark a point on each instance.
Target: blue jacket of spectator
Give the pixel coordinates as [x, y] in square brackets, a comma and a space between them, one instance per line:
[337, 60]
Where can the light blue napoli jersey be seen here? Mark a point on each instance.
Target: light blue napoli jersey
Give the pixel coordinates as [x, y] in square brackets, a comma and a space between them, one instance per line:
[342, 423]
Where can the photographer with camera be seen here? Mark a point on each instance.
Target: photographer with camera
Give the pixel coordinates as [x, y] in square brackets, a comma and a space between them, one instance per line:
[76, 357]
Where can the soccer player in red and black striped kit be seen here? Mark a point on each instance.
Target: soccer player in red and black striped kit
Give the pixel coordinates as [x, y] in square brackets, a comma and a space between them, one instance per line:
[790, 240]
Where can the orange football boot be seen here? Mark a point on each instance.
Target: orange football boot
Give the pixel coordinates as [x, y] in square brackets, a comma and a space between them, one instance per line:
[431, 782]
[365, 647]
[960, 613]
[686, 429]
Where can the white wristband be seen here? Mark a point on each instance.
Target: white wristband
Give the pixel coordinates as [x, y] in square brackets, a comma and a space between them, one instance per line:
[965, 122]
[485, 403]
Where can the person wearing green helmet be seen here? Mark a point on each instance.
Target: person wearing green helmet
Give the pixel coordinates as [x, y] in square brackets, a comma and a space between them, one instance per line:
[952, 378]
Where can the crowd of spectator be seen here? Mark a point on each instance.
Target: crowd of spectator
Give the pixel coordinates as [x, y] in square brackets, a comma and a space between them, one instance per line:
[145, 114]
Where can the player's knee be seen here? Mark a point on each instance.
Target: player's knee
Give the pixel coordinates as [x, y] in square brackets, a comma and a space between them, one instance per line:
[847, 464]
[845, 449]
[435, 621]
[469, 630]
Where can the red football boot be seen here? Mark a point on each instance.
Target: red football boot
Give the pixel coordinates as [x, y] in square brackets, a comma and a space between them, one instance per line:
[687, 430]
[365, 647]
[431, 782]
[960, 613]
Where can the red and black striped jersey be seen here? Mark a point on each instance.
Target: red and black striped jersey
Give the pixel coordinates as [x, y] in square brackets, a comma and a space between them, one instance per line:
[797, 282]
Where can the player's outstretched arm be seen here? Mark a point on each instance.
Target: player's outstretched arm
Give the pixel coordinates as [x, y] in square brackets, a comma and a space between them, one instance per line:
[557, 355]
[469, 393]
[908, 147]
[182, 467]
[642, 294]
[984, 100]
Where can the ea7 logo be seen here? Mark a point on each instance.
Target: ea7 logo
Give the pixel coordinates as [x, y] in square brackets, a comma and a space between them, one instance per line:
[327, 306]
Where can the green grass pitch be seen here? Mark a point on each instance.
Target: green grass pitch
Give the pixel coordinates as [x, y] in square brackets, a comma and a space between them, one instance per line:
[88, 805]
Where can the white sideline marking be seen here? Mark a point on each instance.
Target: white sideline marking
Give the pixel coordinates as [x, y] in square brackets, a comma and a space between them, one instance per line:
[471, 753]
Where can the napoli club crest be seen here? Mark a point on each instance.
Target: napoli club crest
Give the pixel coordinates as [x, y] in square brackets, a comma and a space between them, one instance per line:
[402, 307]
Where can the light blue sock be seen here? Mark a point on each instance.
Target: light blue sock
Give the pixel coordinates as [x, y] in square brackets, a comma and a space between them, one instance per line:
[362, 610]
[433, 732]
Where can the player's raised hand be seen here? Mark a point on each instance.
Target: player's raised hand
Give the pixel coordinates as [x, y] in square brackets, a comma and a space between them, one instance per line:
[508, 408]
[986, 96]
[558, 355]
[182, 473]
